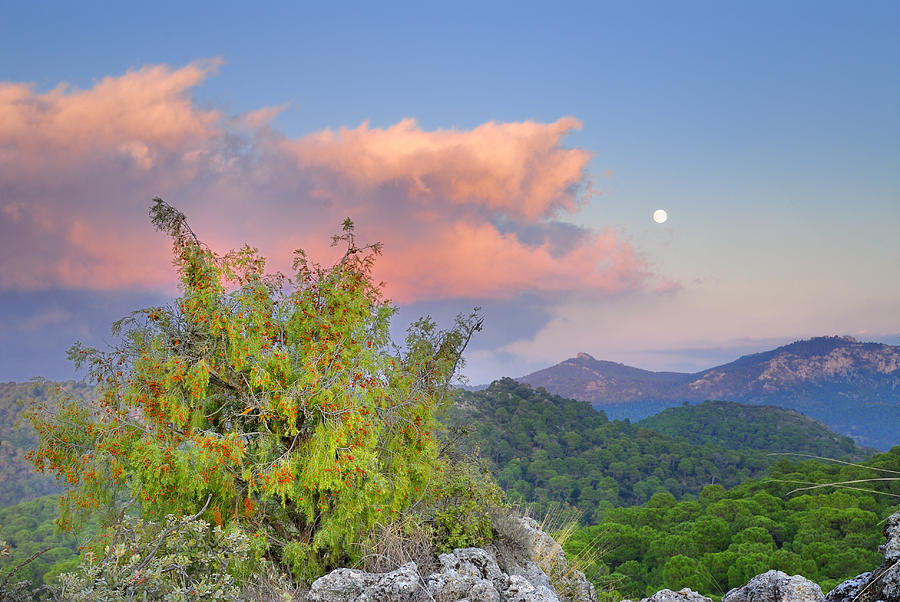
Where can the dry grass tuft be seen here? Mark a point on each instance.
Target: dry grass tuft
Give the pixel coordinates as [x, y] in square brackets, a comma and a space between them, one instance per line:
[392, 545]
[271, 585]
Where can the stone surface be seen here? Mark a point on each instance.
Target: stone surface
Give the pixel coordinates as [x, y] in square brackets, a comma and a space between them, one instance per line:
[521, 590]
[473, 574]
[350, 585]
[552, 562]
[848, 590]
[775, 586]
[682, 595]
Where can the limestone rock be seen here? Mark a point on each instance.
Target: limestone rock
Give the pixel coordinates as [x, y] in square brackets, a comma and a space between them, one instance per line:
[849, 589]
[350, 585]
[552, 562]
[682, 595]
[473, 574]
[775, 586]
[521, 590]
[463, 571]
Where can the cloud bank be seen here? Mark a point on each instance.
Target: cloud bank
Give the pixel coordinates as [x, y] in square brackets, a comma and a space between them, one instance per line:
[474, 213]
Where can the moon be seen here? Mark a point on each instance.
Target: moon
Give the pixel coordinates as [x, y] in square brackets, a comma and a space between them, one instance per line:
[660, 216]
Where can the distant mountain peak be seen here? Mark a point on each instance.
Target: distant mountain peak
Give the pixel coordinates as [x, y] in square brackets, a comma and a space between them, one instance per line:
[822, 342]
[852, 386]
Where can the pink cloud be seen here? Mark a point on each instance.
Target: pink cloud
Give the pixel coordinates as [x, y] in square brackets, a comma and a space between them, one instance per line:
[515, 168]
[462, 258]
[145, 110]
[461, 212]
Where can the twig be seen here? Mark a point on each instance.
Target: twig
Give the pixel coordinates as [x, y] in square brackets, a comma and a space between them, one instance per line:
[24, 563]
[167, 532]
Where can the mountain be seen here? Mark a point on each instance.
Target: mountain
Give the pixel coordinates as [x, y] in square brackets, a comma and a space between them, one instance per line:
[852, 387]
[742, 426]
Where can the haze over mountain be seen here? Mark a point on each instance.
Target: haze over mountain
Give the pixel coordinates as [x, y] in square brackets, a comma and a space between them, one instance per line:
[851, 386]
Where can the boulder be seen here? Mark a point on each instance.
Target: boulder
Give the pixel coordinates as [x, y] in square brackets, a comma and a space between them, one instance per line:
[850, 589]
[682, 595]
[549, 562]
[775, 586]
[351, 585]
[473, 574]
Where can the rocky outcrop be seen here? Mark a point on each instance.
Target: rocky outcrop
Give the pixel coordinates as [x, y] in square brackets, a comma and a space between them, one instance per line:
[527, 566]
[474, 574]
[534, 568]
[882, 584]
[552, 562]
[775, 586]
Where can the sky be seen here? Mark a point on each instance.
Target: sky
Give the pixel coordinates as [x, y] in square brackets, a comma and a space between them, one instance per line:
[508, 155]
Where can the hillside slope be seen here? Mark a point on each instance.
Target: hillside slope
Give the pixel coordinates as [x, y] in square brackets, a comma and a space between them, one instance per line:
[544, 448]
[742, 426]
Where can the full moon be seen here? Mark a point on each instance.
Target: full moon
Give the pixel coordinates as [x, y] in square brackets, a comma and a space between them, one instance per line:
[660, 215]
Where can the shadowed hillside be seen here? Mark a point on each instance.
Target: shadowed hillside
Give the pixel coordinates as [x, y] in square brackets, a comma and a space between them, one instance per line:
[742, 426]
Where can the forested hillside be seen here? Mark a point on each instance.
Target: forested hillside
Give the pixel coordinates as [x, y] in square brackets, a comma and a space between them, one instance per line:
[742, 426]
[723, 538]
[545, 448]
[28, 528]
[20, 481]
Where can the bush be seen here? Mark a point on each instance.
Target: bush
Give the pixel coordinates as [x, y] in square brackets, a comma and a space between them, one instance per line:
[281, 400]
[180, 559]
[466, 495]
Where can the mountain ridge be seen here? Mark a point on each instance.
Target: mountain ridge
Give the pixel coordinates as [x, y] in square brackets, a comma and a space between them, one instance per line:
[852, 386]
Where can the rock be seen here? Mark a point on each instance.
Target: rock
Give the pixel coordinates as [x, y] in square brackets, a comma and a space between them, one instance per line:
[350, 585]
[848, 590]
[553, 566]
[882, 584]
[473, 574]
[682, 595]
[521, 590]
[775, 586]
[891, 548]
[463, 571]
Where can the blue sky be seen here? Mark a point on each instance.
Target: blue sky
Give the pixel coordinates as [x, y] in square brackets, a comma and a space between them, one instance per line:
[768, 131]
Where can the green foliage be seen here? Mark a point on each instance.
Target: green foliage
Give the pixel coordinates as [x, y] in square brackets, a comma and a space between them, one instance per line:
[462, 513]
[546, 450]
[726, 537]
[180, 559]
[281, 400]
[741, 426]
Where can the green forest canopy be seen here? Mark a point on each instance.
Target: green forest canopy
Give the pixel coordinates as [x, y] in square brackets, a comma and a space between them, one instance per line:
[547, 449]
